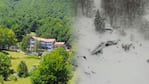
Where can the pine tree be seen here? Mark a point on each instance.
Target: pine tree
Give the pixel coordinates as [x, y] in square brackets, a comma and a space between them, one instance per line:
[99, 22]
[22, 69]
[5, 64]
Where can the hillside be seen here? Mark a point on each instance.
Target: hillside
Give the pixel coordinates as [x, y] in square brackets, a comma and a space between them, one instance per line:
[114, 65]
[44, 17]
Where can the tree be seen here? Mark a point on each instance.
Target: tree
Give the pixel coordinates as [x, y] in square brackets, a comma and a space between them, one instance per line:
[25, 43]
[22, 69]
[8, 37]
[54, 69]
[99, 22]
[5, 63]
[37, 46]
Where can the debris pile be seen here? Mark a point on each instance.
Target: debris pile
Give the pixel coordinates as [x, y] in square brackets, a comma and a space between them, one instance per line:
[102, 45]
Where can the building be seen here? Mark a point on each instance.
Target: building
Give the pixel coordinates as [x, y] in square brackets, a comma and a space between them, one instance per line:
[59, 44]
[44, 43]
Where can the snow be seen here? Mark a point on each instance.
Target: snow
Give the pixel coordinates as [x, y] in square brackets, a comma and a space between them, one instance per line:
[114, 66]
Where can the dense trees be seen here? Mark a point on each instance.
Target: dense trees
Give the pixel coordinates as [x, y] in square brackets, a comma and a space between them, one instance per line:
[55, 28]
[5, 64]
[7, 37]
[126, 10]
[55, 68]
[25, 16]
[86, 6]
[22, 69]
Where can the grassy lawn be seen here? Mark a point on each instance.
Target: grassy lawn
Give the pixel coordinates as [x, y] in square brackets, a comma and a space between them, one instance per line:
[18, 57]
[29, 60]
[73, 79]
[20, 81]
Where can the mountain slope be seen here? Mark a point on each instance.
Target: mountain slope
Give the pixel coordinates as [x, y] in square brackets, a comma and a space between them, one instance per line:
[114, 65]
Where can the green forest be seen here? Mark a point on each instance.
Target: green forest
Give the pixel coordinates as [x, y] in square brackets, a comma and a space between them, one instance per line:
[47, 18]
[19, 20]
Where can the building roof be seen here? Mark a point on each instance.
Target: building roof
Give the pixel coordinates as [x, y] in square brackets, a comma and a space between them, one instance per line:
[43, 39]
[59, 43]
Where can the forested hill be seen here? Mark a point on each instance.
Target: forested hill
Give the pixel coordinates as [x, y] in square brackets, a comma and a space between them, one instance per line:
[48, 18]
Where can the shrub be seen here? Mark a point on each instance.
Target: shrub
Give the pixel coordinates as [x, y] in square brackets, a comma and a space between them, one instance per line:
[13, 77]
[33, 68]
